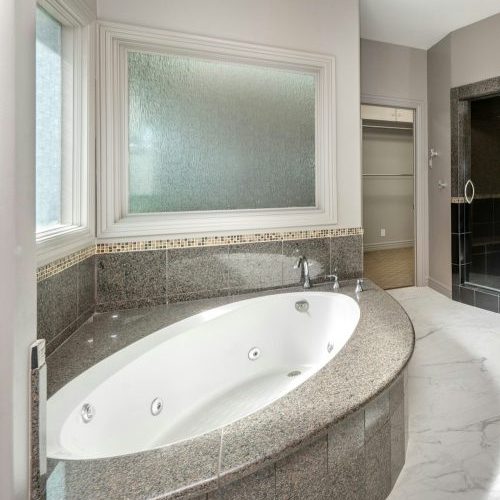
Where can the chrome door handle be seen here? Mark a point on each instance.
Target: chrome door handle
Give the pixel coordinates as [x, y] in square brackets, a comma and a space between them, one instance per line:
[469, 199]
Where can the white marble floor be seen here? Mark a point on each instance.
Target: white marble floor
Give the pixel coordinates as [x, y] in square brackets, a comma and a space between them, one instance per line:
[454, 401]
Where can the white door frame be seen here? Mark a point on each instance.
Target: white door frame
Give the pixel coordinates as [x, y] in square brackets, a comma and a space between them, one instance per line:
[421, 176]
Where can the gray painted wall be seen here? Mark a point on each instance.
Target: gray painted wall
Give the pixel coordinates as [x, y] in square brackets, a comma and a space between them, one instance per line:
[395, 72]
[439, 84]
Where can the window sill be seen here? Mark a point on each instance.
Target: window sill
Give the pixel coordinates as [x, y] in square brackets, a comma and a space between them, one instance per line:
[55, 244]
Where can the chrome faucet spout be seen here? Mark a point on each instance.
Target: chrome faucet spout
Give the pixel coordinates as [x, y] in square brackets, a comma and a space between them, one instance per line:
[302, 263]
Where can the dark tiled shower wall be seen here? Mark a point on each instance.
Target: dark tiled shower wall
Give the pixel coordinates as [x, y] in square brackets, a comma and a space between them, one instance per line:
[135, 279]
[128, 280]
[464, 220]
[65, 301]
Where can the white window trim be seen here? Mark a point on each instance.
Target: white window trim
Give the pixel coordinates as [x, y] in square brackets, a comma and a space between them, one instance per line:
[113, 221]
[60, 241]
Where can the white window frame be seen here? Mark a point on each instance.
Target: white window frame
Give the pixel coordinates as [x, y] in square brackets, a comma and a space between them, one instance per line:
[78, 170]
[115, 40]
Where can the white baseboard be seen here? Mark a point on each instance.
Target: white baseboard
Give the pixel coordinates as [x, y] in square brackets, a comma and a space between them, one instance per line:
[439, 287]
[387, 245]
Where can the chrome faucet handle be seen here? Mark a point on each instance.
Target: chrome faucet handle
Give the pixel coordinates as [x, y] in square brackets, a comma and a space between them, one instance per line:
[299, 262]
[336, 284]
[359, 285]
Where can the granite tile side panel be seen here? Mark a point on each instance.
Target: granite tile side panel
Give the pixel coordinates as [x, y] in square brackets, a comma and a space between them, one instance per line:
[376, 415]
[317, 252]
[346, 257]
[378, 464]
[258, 486]
[57, 303]
[346, 458]
[166, 469]
[131, 279]
[398, 442]
[37, 486]
[304, 475]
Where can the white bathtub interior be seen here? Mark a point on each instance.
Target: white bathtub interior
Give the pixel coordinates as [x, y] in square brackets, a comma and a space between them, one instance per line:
[208, 371]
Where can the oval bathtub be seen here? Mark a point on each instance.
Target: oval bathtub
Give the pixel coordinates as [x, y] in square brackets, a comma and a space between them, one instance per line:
[198, 375]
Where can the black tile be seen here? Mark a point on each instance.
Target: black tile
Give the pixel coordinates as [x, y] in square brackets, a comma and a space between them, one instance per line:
[467, 295]
[487, 301]
[455, 249]
[455, 217]
[455, 292]
[482, 210]
[455, 274]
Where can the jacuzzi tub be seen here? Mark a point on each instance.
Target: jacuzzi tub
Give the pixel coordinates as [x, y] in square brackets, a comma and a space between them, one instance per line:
[198, 375]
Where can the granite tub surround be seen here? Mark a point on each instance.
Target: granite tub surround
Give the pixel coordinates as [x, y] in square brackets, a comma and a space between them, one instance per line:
[327, 437]
[131, 279]
[65, 300]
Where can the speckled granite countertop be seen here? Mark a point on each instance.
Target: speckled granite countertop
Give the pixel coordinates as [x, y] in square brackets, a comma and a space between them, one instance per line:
[374, 356]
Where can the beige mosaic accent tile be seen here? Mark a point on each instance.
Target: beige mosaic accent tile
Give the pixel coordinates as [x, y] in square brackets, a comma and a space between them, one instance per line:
[63, 263]
[59, 265]
[457, 199]
[233, 239]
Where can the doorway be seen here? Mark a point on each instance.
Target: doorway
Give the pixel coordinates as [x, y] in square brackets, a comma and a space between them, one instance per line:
[388, 135]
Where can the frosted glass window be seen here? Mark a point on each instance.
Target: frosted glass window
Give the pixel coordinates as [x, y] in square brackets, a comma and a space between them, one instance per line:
[48, 121]
[210, 135]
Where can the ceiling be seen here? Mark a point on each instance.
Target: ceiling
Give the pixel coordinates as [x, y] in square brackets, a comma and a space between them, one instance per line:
[420, 23]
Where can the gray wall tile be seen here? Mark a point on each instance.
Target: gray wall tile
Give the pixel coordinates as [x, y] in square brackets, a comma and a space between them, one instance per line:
[378, 464]
[131, 279]
[86, 285]
[255, 266]
[257, 486]
[57, 303]
[197, 270]
[304, 474]
[317, 252]
[347, 256]
[346, 458]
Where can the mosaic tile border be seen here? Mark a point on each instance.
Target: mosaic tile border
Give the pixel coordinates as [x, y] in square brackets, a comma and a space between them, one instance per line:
[59, 265]
[457, 199]
[234, 239]
[63, 263]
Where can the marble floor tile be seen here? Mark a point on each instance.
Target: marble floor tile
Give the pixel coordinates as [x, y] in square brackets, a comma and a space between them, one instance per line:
[454, 401]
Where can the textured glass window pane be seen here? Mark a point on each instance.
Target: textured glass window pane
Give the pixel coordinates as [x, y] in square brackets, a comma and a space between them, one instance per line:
[48, 120]
[207, 135]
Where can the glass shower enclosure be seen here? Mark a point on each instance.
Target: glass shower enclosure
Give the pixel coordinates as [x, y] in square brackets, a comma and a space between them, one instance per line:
[482, 196]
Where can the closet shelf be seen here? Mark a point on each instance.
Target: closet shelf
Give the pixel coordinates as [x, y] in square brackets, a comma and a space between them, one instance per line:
[388, 127]
[387, 175]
